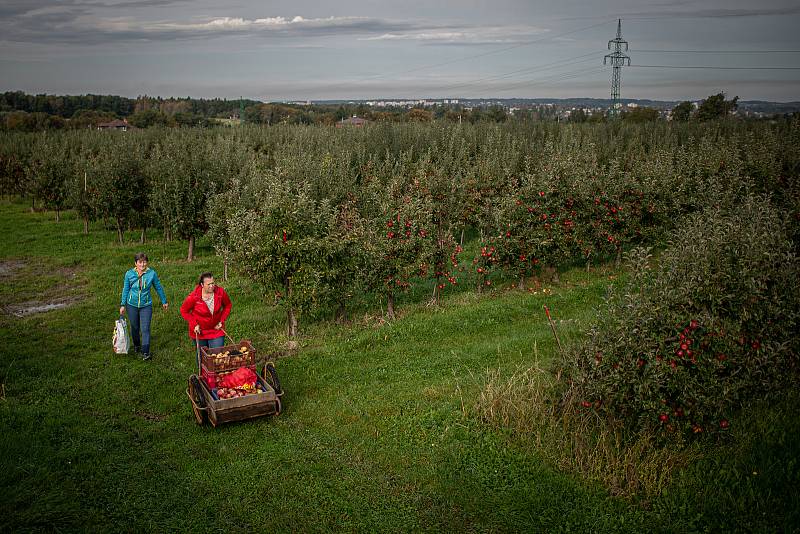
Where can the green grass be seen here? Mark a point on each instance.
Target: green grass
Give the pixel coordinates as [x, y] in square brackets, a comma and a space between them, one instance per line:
[379, 431]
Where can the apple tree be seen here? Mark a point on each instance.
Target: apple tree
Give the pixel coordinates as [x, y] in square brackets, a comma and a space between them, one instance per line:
[279, 238]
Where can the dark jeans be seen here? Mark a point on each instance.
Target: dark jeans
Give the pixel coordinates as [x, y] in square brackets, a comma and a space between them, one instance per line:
[139, 319]
[213, 343]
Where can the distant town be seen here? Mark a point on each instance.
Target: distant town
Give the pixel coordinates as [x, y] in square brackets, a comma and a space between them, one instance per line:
[562, 107]
[24, 112]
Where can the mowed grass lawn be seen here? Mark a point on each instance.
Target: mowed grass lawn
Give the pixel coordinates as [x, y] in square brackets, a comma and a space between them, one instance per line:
[379, 432]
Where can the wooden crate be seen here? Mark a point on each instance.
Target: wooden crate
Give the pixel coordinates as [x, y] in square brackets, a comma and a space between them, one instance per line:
[212, 362]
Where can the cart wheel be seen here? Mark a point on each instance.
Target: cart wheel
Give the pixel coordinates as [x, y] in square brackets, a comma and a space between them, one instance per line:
[278, 406]
[199, 404]
[271, 376]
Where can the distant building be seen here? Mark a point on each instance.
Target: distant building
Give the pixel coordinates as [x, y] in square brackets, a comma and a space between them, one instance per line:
[116, 124]
[352, 121]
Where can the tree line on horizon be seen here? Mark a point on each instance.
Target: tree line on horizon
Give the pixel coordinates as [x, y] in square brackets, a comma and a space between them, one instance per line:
[23, 112]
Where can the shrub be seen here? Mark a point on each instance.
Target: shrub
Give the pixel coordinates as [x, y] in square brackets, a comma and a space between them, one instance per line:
[713, 325]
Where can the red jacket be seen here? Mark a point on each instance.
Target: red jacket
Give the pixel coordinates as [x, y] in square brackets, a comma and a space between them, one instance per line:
[195, 311]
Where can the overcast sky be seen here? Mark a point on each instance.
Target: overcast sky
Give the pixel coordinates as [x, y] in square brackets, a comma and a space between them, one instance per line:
[357, 49]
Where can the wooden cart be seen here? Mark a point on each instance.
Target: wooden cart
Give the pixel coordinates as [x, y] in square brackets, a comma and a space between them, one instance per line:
[219, 410]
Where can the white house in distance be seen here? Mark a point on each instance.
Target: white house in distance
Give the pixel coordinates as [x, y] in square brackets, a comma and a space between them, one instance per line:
[116, 124]
[352, 121]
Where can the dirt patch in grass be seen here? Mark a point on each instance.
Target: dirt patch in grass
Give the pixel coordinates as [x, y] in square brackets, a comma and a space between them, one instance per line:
[8, 268]
[32, 287]
[276, 355]
[31, 307]
[148, 416]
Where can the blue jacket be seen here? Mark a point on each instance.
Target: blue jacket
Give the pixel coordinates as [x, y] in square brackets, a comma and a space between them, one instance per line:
[136, 292]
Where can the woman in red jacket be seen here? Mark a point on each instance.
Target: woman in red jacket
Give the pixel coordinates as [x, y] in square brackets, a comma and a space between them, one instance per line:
[206, 309]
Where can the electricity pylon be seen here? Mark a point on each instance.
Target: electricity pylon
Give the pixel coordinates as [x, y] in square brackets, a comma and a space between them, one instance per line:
[617, 60]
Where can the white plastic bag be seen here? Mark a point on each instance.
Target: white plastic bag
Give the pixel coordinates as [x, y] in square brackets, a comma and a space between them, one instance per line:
[121, 336]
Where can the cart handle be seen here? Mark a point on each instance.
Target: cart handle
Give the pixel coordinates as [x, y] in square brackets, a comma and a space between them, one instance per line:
[197, 342]
[229, 337]
[203, 409]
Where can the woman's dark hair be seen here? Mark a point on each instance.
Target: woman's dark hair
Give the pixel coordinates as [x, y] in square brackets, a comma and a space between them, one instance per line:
[203, 278]
[140, 256]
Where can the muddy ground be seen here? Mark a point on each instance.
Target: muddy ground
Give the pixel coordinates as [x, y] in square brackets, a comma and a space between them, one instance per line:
[42, 289]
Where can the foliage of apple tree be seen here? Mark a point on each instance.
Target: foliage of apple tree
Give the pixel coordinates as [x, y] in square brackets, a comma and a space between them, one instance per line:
[84, 195]
[185, 172]
[49, 173]
[690, 340]
[399, 230]
[15, 151]
[121, 181]
[440, 185]
[279, 237]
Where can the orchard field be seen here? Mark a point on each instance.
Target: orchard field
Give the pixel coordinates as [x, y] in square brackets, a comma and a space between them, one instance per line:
[397, 274]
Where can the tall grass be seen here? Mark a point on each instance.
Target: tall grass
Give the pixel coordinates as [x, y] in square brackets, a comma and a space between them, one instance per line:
[529, 405]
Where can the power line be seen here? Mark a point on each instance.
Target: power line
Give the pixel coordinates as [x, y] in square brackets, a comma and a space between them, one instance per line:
[720, 51]
[712, 67]
[466, 58]
[519, 45]
[557, 78]
[568, 61]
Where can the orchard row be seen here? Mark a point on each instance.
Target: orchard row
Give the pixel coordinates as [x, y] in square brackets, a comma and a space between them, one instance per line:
[316, 215]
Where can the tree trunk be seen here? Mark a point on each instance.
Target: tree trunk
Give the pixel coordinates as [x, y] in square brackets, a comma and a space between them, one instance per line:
[225, 270]
[551, 272]
[291, 323]
[341, 314]
[436, 291]
[58, 215]
[619, 258]
[390, 306]
[462, 237]
[33, 204]
[291, 316]
[85, 225]
[142, 237]
[190, 257]
[119, 231]
[521, 284]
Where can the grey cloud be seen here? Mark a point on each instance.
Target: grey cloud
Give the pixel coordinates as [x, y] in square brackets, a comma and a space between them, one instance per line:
[717, 13]
[60, 20]
[13, 8]
[136, 3]
[711, 13]
[464, 35]
[78, 28]
[474, 43]
[675, 3]
[17, 8]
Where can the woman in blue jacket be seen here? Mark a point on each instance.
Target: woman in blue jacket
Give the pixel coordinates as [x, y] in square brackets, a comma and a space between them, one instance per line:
[136, 301]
